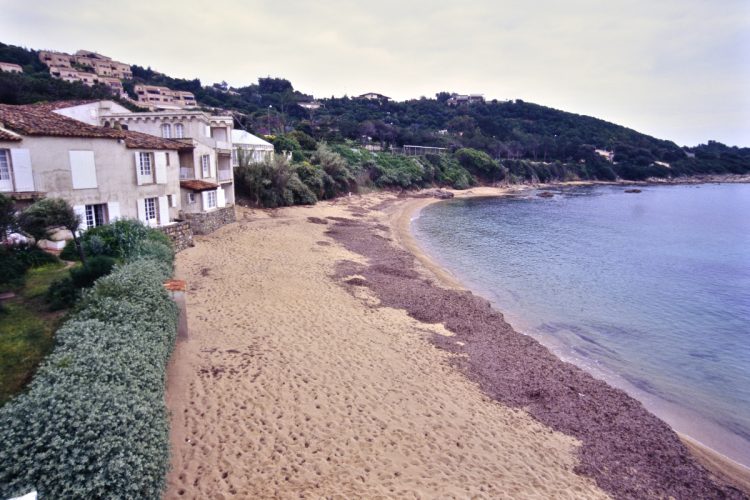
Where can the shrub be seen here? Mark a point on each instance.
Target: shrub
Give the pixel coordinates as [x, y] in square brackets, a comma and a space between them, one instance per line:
[480, 164]
[301, 193]
[120, 238]
[70, 252]
[12, 269]
[32, 256]
[157, 251]
[95, 268]
[93, 423]
[62, 294]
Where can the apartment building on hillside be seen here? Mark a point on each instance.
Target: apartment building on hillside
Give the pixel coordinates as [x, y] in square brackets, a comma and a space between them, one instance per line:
[10, 67]
[156, 97]
[87, 61]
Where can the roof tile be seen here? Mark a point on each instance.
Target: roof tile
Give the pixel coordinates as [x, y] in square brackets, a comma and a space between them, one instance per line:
[198, 185]
[41, 120]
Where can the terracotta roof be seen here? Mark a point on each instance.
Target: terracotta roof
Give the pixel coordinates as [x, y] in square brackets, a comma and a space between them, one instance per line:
[41, 120]
[198, 185]
[6, 135]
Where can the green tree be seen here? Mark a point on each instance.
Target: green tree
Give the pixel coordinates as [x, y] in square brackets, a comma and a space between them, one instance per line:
[7, 216]
[41, 218]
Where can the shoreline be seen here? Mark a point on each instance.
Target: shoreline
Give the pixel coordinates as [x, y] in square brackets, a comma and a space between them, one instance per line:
[303, 373]
[405, 213]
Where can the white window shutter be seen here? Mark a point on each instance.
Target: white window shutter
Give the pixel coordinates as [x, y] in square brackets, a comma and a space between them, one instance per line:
[211, 166]
[174, 200]
[163, 211]
[22, 173]
[142, 211]
[221, 198]
[113, 211]
[208, 131]
[160, 158]
[138, 179]
[80, 211]
[82, 169]
[204, 199]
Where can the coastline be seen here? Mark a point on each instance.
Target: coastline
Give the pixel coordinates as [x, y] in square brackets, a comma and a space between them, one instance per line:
[302, 374]
[402, 216]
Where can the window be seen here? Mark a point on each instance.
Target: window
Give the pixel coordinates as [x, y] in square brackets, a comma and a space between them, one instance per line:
[166, 155]
[179, 130]
[4, 165]
[211, 199]
[150, 206]
[206, 165]
[166, 130]
[96, 215]
[191, 198]
[144, 164]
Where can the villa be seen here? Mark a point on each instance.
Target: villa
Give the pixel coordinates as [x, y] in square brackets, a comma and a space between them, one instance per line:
[104, 173]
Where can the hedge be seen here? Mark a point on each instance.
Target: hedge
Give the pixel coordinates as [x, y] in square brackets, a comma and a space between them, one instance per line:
[93, 423]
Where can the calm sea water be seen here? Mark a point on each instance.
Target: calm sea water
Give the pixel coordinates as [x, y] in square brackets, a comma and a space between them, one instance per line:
[650, 291]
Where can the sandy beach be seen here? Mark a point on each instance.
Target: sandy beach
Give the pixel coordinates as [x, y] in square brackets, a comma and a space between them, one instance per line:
[328, 358]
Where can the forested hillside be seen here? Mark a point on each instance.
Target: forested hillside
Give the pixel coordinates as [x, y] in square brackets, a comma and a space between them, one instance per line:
[523, 141]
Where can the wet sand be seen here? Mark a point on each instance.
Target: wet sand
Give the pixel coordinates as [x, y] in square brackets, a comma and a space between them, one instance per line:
[324, 361]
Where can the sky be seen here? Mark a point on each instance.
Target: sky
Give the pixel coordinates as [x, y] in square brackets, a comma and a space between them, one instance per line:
[675, 69]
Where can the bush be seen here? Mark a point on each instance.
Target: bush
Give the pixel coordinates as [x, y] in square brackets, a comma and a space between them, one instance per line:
[480, 164]
[70, 252]
[120, 238]
[93, 423]
[95, 268]
[156, 251]
[12, 269]
[62, 294]
[32, 256]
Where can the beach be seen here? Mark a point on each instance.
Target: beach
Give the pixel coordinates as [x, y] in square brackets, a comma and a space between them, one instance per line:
[327, 356]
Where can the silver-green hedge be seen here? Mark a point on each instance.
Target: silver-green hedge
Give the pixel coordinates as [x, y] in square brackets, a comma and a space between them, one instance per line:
[93, 423]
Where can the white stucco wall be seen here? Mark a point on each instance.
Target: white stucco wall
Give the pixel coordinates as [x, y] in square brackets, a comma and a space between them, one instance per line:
[115, 169]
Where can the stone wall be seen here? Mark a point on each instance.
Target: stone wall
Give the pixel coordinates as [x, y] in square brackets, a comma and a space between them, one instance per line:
[208, 222]
[180, 233]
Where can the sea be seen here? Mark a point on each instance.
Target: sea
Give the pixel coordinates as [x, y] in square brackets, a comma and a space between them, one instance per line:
[649, 291]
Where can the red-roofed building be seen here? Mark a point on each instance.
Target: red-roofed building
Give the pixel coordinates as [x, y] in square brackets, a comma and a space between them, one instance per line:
[104, 172]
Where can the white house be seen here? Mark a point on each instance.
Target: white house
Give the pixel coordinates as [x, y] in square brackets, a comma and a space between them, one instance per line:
[105, 173]
[206, 174]
[256, 149]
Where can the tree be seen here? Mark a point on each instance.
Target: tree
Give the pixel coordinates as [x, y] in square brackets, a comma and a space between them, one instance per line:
[7, 216]
[45, 215]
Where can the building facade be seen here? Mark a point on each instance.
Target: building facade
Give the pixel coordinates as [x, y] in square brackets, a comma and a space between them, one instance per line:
[10, 67]
[156, 97]
[104, 173]
[205, 170]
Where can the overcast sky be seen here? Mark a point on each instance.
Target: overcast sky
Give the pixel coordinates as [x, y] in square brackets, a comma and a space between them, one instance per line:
[676, 69]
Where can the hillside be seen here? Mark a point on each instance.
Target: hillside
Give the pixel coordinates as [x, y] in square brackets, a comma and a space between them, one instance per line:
[527, 141]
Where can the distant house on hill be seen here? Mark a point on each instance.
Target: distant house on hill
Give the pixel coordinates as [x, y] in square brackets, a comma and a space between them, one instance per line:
[256, 149]
[309, 105]
[374, 96]
[105, 173]
[608, 155]
[459, 99]
[155, 97]
[10, 67]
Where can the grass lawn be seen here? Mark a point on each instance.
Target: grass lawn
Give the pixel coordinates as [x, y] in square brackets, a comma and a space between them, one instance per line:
[27, 329]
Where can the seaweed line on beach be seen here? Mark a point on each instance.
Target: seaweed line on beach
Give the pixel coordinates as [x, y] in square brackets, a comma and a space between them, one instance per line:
[628, 451]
